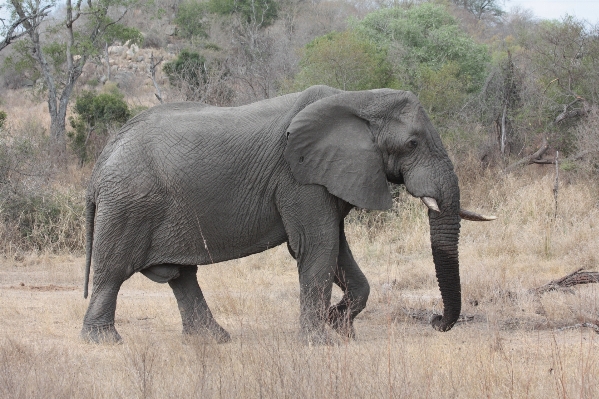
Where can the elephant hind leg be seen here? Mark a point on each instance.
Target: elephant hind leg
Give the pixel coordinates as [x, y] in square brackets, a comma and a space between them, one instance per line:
[98, 323]
[355, 287]
[195, 314]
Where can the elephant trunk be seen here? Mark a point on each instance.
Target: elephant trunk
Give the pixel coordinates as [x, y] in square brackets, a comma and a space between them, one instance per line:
[445, 232]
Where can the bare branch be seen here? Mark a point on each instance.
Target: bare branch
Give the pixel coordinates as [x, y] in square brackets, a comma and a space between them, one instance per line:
[34, 20]
[153, 65]
[575, 278]
[531, 158]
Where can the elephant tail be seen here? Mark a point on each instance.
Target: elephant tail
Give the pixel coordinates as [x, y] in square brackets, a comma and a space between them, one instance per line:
[90, 215]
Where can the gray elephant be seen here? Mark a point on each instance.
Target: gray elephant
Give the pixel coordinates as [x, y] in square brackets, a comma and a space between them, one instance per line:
[187, 184]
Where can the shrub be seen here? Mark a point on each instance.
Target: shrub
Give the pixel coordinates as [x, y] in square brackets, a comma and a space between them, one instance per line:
[3, 117]
[345, 61]
[189, 67]
[96, 114]
[35, 214]
[190, 19]
[261, 13]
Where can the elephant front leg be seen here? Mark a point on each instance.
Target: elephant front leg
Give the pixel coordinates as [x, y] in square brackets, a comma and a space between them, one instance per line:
[98, 323]
[195, 314]
[355, 287]
[316, 270]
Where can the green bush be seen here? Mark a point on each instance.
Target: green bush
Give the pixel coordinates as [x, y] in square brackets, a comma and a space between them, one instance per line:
[190, 19]
[189, 68]
[256, 12]
[345, 61]
[423, 41]
[95, 115]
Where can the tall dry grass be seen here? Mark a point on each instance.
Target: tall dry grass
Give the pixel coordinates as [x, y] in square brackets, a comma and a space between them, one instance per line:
[510, 342]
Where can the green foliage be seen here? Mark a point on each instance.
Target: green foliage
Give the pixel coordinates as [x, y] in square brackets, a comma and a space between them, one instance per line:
[96, 113]
[481, 8]
[188, 68]
[21, 61]
[426, 38]
[57, 52]
[441, 89]
[190, 19]
[117, 32]
[345, 61]
[261, 13]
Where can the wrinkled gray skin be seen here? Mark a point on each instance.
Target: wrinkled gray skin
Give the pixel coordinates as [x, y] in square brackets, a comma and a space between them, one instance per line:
[187, 184]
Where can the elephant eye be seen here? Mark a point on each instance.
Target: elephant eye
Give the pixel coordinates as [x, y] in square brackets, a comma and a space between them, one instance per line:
[412, 144]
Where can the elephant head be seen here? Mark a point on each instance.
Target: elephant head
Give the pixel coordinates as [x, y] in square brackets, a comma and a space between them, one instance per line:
[354, 142]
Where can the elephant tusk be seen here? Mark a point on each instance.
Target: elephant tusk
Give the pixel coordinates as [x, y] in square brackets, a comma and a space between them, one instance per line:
[468, 215]
[431, 204]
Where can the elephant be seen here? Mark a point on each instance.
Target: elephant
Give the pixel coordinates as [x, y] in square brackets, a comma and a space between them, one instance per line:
[188, 184]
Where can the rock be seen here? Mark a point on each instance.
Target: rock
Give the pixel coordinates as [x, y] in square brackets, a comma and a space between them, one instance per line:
[116, 50]
[140, 58]
[170, 30]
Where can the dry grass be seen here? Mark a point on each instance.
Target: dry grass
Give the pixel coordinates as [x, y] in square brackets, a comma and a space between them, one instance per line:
[510, 347]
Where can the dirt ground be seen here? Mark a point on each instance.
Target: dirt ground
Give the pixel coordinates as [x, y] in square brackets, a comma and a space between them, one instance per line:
[508, 343]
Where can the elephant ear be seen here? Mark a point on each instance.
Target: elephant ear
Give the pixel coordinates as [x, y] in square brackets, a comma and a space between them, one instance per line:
[329, 144]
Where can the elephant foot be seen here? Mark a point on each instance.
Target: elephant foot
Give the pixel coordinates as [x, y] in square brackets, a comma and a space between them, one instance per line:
[106, 334]
[213, 331]
[340, 321]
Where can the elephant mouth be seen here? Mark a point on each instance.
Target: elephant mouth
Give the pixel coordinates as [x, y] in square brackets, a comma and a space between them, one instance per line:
[465, 214]
[395, 179]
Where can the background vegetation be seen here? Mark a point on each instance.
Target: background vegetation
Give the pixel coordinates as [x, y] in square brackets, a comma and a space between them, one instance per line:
[510, 95]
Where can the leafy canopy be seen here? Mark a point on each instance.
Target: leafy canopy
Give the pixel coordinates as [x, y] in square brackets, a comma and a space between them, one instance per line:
[425, 38]
[190, 19]
[345, 61]
[262, 13]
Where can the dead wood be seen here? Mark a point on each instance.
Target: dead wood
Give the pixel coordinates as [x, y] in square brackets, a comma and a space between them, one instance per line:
[578, 277]
[530, 159]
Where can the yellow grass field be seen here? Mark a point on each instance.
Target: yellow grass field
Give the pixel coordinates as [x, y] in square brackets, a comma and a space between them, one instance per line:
[511, 343]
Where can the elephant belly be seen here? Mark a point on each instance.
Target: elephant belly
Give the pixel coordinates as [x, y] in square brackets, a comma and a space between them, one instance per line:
[206, 240]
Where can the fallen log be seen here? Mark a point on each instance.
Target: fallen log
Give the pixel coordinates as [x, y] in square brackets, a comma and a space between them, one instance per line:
[580, 276]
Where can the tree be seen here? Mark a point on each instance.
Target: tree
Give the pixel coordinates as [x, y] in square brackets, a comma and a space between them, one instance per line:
[15, 30]
[62, 49]
[260, 13]
[190, 19]
[426, 39]
[345, 61]
[481, 8]
[562, 76]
